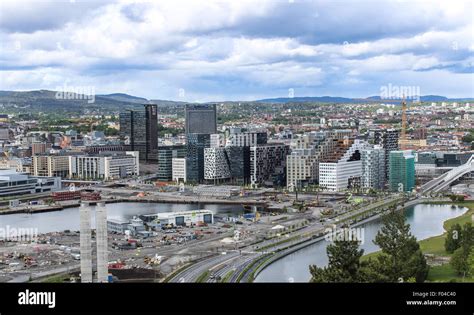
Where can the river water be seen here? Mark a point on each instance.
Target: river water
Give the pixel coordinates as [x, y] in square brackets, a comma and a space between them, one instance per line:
[425, 221]
[68, 219]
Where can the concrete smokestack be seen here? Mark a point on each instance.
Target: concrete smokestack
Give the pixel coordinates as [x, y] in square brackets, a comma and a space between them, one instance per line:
[85, 242]
[101, 237]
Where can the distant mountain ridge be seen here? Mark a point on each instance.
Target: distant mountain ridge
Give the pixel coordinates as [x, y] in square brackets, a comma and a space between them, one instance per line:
[335, 99]
[42, 100]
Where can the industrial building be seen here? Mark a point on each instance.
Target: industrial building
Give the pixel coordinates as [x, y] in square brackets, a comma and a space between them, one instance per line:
[181, 218]
[117, 225]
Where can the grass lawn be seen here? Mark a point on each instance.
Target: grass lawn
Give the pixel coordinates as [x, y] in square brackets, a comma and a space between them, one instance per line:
[445, 273]
[435, 245]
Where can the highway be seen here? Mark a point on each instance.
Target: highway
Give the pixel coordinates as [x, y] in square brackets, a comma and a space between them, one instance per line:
[238, 261]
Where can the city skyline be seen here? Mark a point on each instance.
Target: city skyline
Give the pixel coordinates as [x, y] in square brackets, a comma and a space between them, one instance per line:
[217, 50]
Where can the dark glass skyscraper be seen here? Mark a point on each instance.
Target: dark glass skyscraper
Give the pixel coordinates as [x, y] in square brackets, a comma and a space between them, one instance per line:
[165, 160]
[195, 144]
[201, 118]
[140, 127]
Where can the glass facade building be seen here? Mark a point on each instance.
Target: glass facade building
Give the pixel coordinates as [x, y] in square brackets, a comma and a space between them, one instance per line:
[402, 171]
[139, 128]
[201, 118]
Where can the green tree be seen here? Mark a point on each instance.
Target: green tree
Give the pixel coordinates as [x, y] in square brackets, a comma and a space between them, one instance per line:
[401, 254]
[470, 261]
[460, 261]
[467, 236]
[344, 263]
[453, 239]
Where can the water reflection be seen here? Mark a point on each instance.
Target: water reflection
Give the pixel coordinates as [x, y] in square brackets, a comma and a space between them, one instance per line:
[68, 219]
[425, 221]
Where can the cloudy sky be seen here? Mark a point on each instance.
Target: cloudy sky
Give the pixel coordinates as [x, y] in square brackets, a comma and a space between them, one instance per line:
[238, 50]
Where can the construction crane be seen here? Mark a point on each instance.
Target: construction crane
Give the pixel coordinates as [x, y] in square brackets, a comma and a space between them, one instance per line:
[403, 136]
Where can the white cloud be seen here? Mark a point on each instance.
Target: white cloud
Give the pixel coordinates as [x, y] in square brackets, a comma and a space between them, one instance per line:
[235, 49]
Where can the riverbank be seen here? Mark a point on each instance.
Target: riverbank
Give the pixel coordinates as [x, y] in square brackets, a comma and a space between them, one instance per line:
[423, 226]
[76, 203]
[435, 246]
[355, 220]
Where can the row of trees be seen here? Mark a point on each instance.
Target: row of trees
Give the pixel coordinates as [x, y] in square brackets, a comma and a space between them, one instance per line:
[457, 198]
[401, 258]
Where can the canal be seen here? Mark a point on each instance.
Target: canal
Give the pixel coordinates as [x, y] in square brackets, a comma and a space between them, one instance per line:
[68, 219]
[425, 220]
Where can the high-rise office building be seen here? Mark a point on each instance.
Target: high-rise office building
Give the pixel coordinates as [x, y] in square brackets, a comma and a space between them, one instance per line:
[195, 145]
[139, 129]
[166, 154]
[268, 164]
[239, 164]
[236, 138]
[373, 168]
[201, 118]
[230, 164]
[402, 171]
[388, 140]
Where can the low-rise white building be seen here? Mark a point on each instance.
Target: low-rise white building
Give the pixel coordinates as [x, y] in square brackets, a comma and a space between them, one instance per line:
[182, 218]
[16, 184]
[179, 169]
[104, 166]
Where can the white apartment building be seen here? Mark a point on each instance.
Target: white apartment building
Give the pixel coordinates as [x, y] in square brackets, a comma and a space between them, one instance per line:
[343, 168]
[179, 169]
[302, 163]
[104, 166]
